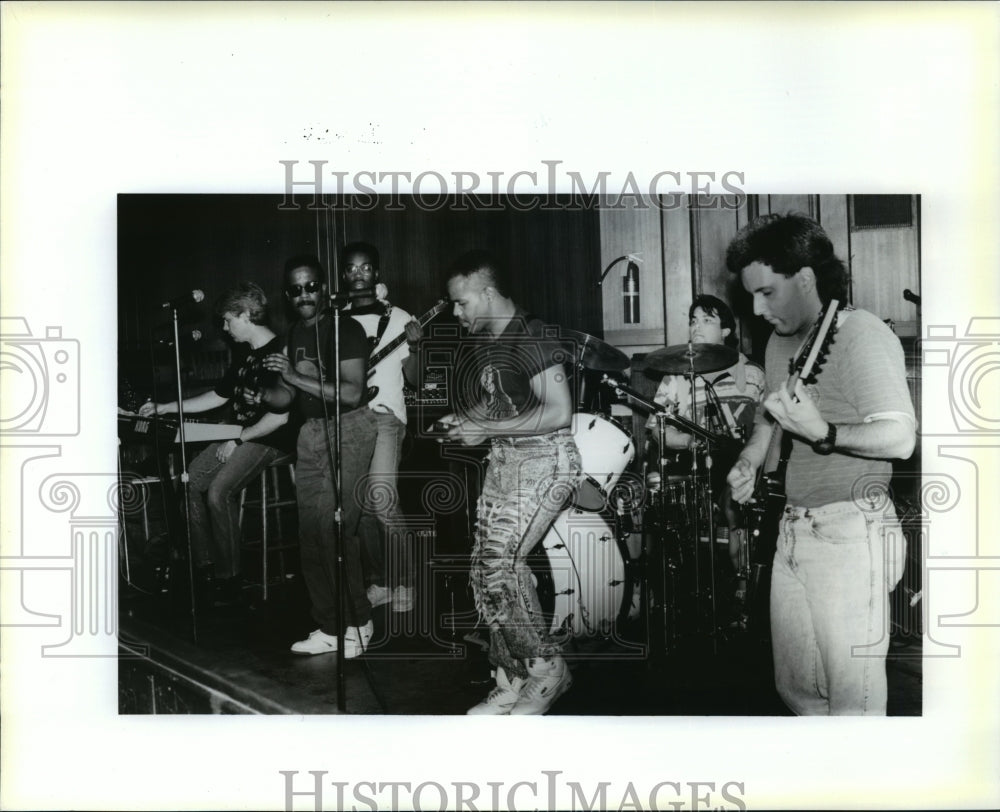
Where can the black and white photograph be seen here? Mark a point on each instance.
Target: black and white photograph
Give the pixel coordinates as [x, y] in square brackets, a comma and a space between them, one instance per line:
[542, 325]
[516, 406]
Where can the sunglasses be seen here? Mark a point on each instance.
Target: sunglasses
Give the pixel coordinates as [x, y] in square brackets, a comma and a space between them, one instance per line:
[308, 287]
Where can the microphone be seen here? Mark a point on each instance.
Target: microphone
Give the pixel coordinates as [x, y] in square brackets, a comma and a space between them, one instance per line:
[342, 298]
[191, 296]
[194, 335]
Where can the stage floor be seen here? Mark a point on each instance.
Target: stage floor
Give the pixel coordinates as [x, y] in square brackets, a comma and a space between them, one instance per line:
[432, 660]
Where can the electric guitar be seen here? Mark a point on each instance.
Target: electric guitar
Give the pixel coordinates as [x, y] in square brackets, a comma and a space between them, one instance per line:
[763, 512]
[378, 357]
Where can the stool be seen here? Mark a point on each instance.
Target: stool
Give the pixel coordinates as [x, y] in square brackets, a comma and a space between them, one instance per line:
[271, 500]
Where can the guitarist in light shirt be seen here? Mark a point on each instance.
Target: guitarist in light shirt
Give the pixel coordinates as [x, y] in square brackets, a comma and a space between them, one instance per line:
[840, 548]
[382, 529]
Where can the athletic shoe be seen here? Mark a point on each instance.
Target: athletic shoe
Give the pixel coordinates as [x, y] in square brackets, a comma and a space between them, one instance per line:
[548, 679]
[357, 639]
[402, 599]
[379, 595]
[501, 699]
[319, 642]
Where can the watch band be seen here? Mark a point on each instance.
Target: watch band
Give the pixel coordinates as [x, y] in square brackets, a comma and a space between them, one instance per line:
[828, 443]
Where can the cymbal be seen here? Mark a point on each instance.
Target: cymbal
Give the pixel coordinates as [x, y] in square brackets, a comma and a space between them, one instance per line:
[592, 353]
[678, 359]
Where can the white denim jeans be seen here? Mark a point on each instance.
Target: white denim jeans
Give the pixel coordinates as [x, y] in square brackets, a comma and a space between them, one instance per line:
[833, 571]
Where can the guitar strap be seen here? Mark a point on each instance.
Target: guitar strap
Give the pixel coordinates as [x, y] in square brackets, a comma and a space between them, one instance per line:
[383, 323]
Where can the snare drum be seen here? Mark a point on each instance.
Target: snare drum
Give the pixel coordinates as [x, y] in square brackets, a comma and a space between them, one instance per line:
[585, 582]
[605, 452]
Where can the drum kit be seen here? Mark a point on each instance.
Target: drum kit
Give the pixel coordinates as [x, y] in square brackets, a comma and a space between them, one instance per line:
[592, 577]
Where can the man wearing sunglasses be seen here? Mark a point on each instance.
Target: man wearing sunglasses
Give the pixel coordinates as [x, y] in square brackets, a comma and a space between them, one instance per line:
[385, 555]
[306, 367]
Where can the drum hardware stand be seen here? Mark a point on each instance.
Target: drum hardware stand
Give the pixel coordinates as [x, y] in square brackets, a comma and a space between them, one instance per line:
[709, 507]
[705, 438]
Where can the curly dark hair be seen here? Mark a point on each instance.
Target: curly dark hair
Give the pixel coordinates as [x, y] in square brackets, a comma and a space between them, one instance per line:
[787, 243]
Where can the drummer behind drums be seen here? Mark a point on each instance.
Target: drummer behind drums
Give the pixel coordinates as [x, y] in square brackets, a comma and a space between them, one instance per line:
[738, 389]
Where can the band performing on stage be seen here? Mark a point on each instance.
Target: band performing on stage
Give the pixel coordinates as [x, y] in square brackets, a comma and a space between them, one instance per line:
[677, 500]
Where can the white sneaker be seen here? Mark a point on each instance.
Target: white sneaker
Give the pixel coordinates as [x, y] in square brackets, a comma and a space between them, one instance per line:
[356, 640]
[402, 599]
[501, 699]
[318, 642]
[548, 679]
[379, 595]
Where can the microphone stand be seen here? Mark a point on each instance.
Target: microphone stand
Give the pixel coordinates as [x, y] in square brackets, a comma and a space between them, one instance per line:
[333, 451]
[184, 476]
[337, 301]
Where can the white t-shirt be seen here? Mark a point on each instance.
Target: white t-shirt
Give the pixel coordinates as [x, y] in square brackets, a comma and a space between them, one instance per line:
[388, 375]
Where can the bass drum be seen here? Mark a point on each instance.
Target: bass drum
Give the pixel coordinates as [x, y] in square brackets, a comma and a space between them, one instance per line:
[581, 577]
[605, 453]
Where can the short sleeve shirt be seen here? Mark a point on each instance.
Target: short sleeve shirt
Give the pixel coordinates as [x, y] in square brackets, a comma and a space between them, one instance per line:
[387, 377]
[493, 374]
[305, 358]
[863, 379]
[739, 389]
[246, 377]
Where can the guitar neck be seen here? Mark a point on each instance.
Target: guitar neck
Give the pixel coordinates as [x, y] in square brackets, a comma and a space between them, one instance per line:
[393, 345]
[801, 368]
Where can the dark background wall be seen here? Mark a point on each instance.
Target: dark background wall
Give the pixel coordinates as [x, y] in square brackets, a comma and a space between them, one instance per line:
[170, 244]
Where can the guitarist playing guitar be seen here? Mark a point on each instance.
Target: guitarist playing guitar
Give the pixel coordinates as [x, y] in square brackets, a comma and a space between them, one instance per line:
[393, 335]
[763, 512]
[839, 547]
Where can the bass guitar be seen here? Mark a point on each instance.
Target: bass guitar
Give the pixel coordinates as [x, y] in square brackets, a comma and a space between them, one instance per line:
[378, 357]
[763, 512]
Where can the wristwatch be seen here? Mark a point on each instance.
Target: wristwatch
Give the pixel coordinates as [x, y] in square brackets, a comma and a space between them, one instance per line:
[828, 443]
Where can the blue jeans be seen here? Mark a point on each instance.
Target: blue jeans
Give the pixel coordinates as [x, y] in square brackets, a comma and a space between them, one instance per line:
[215, 506]
[833, 571]
[317, 505]
[382, 529]
[527, 483]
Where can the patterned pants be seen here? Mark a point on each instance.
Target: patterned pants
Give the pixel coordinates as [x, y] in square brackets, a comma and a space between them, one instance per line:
[528, 482]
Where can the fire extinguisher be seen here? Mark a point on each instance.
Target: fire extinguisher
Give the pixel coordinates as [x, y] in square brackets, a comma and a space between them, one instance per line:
[630, 293]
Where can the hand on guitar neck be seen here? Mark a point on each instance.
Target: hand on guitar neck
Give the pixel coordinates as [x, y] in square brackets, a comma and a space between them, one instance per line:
[793, 411]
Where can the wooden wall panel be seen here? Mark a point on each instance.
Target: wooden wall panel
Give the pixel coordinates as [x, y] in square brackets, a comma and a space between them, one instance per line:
[677, 281]
[884, 263]
[634, 229]
[834, 219]
[714, 229]
[790, 204]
